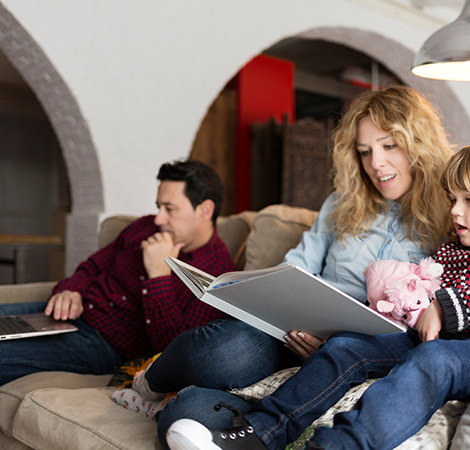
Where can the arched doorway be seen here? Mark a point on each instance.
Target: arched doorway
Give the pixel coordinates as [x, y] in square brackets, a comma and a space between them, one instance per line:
[320, 55]
[34, 191]
[72, 133]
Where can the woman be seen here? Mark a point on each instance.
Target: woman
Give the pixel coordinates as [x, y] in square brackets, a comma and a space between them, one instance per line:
[388, 151]
[400, 404]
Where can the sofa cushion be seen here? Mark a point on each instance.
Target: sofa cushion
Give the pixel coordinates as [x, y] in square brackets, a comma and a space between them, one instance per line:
[27, 292]
[85, 419]
[266, 386]
[462, 434]
[111, 227]
[234, 231]
[10, 443]
[12, 394]
[276, 229]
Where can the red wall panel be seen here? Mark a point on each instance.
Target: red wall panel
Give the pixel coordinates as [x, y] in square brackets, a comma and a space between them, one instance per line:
[265, 90]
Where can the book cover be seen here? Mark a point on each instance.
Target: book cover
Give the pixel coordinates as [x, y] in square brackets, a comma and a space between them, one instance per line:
[284, 298]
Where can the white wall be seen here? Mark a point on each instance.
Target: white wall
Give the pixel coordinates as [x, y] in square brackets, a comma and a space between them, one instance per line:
[144, 72]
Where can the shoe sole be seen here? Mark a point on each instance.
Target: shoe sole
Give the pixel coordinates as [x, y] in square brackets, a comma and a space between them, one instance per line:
[187, 434]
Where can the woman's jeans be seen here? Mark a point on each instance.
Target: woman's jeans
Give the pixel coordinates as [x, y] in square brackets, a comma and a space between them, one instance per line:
[399, 405]
[82, 351]
[224, 354]
[230, 354]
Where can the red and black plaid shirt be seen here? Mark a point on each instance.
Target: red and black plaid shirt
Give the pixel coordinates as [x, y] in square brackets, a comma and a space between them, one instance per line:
[136, 314]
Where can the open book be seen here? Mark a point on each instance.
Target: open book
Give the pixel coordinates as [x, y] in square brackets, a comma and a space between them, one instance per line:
[283, 298]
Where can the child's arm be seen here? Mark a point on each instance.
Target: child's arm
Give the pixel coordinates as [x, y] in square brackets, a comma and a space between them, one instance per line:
[431, 322]
[454, 302]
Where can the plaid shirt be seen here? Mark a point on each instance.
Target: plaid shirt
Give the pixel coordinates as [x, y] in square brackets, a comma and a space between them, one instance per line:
[136, 314]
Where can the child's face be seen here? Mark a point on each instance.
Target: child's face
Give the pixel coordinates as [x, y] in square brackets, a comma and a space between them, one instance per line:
[461, 214]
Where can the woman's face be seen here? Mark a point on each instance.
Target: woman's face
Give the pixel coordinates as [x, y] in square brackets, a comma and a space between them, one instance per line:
[386, 164]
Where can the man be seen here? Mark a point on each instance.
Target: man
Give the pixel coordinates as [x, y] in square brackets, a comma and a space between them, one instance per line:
[124, 299]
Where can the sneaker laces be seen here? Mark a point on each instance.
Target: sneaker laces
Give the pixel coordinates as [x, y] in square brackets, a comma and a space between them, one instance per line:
[239, 420]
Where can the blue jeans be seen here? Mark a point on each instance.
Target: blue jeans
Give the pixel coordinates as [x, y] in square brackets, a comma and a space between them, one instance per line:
[344, 361]
[399, 405]
[82, 351]
[224, 354]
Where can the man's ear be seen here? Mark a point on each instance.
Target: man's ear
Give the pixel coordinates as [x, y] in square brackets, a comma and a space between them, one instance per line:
[206, 209]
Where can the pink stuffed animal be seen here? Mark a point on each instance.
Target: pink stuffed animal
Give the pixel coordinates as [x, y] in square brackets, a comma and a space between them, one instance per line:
[401, 291]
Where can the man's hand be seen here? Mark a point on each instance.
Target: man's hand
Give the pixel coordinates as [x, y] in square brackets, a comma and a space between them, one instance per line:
[65, 305]
[155, 250]
[303, 344]
[431, 322]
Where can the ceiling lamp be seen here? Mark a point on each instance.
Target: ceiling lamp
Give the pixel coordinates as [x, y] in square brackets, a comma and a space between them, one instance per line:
[446, 54]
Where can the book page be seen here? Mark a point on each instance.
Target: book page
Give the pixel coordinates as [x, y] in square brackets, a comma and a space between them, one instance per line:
[243, 275]
[204, 280]
[197, 280]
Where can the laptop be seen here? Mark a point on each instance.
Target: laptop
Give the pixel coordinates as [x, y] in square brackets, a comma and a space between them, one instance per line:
[32, 325]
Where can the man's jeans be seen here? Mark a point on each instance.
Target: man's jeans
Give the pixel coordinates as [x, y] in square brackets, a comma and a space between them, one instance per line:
[82, 351]
[344, 361]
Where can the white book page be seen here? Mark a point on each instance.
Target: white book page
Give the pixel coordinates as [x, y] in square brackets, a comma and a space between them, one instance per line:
[242, 275]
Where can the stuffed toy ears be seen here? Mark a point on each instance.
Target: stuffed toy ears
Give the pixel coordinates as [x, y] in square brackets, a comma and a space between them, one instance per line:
[428, 269]
[435, 270]
[385, 307]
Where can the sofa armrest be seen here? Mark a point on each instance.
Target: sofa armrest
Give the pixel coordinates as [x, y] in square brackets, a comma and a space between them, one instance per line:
[27, 292]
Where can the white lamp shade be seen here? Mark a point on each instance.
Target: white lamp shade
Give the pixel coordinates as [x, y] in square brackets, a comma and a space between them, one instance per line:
[446, 54]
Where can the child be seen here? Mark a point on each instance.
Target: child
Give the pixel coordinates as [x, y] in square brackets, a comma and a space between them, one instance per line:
[401, 403]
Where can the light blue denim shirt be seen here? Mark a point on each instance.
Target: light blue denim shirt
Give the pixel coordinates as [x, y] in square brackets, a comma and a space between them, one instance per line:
[319, 252]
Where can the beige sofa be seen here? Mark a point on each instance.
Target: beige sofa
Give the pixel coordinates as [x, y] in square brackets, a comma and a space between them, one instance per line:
[65, 411]
[56, 410]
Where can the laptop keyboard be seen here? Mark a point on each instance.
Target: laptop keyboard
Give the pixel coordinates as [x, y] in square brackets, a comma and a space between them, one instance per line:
[14, 325]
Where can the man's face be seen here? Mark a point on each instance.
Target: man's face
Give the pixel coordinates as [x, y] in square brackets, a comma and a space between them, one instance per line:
[177, 216]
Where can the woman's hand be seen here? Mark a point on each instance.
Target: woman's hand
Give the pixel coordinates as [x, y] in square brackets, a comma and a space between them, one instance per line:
[430, 322]
[303, 344]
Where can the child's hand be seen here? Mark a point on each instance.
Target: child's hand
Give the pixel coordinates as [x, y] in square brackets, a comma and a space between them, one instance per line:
[430, 322]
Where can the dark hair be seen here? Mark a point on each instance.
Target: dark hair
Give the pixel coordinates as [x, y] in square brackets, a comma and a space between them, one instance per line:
[202, 182]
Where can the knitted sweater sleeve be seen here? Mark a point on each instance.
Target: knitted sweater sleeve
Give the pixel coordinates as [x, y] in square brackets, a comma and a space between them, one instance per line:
[455, 304]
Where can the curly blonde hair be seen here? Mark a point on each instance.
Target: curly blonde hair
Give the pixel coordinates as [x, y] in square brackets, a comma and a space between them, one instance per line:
[416, 127]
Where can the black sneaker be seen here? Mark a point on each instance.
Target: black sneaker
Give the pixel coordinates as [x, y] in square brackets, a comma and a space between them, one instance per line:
[187, 434]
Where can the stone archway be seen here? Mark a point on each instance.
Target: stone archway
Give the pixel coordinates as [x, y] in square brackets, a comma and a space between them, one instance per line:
[397, 58]
[72, 133]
